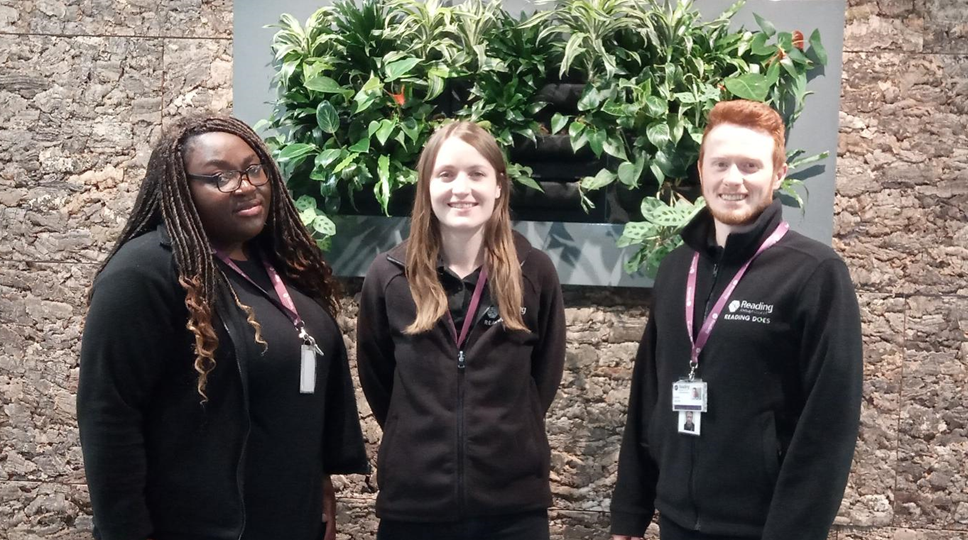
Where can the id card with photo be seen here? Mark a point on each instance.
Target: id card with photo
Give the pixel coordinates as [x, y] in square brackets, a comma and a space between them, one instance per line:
[689, 395]
[690, 422]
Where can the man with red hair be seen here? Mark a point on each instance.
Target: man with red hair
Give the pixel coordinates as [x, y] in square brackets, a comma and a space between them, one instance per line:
[746, 389]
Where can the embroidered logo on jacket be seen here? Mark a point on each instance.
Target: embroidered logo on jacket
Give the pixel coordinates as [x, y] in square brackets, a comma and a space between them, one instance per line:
[741, 310]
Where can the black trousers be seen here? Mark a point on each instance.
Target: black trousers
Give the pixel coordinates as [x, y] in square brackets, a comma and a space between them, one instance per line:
[522, 526]
[669, 530]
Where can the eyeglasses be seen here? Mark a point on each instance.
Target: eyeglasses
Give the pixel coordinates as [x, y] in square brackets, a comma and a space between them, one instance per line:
[229, 181]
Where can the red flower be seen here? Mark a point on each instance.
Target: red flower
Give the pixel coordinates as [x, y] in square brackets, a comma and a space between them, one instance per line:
[399, 98]
[798, 39]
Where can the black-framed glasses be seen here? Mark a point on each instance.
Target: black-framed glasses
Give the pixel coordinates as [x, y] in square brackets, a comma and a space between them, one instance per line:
[229, 181]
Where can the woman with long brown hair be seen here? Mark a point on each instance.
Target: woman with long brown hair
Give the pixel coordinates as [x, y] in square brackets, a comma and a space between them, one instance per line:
[461, 344]
[215, 397]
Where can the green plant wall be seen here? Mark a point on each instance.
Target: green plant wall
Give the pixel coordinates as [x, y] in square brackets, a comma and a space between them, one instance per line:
[362, 85]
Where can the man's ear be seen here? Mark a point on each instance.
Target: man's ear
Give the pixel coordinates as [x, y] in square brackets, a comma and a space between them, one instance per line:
[780, 175]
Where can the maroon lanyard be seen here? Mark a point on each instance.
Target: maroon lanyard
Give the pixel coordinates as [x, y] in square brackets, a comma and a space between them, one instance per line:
[713, 316]
[471, 310]
[277, 284]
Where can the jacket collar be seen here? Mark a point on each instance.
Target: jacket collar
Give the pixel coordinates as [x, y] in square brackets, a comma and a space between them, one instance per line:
[700, 234]
[398, 255]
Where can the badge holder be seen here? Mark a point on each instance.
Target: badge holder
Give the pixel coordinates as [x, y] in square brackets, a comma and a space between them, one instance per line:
[307, 364]
[690, 399]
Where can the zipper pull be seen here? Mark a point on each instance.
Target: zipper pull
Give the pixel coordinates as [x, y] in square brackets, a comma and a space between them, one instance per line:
[460, 360]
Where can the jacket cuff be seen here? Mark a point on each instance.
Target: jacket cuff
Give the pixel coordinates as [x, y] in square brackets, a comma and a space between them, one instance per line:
[630, 523]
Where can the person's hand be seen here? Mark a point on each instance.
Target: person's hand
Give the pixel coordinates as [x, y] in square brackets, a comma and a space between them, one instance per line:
[329, 509]
[623, 537]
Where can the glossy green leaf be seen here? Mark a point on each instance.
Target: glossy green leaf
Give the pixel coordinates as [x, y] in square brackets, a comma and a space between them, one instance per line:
[558, 121]
[759, 47]
[572, 49]
[528, 181]
[817, 48]
[614, 146]
[751, 86]
[324, 226]
[600, 180]
[659, 134]
[400, 68]
[295, 151]
[324, 85]
[656, 106]
[627, 174]
[382, 187]
[797, 56]
[765, 25]
[328, 156]
[596, 140]
[636, 232]
[386, 128]
[305, 202]
[362, 146]
[347, 161]
[575, 129]
[327, 118]
[804, 162]
[649, 205]
[591, 98]
[410, 128]
[307, 216]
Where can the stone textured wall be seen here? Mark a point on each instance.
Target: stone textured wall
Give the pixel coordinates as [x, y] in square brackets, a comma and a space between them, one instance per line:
[86, 84]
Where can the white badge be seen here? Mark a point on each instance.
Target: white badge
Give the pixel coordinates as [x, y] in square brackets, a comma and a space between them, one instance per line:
[689, 395]
[307, 369]
[690, 422]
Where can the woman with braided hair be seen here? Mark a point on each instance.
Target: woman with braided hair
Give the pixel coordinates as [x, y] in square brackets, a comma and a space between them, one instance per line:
[215, 397]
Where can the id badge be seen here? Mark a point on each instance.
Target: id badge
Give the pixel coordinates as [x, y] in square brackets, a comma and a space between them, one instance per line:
[690, 422]
[307, 369]
[689, 395]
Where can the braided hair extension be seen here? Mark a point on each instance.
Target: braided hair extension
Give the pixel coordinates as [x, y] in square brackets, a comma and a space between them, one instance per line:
[164, 197]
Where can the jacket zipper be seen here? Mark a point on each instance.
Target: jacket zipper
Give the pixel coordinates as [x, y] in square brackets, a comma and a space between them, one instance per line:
[245, 441]
[695, 449]
[461, 487]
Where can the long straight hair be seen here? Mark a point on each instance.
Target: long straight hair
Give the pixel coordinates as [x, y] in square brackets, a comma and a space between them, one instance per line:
[423, 249]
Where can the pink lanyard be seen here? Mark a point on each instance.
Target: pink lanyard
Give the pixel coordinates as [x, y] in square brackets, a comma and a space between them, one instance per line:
[713, 316]
[471, 310]
[280, 288]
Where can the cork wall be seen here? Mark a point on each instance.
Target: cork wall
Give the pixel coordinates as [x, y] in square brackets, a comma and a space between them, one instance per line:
[86, 85]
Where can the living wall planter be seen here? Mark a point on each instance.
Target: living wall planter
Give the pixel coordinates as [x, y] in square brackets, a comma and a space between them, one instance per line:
[584, 252]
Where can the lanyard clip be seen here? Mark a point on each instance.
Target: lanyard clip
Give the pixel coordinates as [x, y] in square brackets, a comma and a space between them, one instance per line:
[308, 340]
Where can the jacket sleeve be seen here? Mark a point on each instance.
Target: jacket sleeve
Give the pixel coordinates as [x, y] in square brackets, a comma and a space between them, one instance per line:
[633, 501]
[343, 449]
[548, 356]
[814, 472]
[375, 355]
[127, 331]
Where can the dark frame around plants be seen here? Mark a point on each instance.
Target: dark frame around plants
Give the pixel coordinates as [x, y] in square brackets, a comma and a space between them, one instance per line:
[617, 89]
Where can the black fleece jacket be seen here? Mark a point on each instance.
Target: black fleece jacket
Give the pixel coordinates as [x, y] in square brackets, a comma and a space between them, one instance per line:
[461, 441]
[784, 370]
[158, 463]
